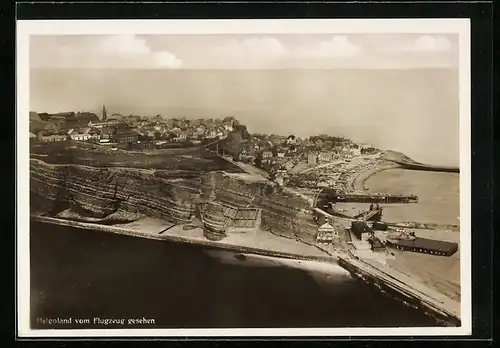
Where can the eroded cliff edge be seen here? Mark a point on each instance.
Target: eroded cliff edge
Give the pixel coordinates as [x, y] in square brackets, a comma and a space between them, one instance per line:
[99, 192]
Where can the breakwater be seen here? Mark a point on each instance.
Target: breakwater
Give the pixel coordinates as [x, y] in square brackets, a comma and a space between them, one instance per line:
[427, 167]
[407, 163]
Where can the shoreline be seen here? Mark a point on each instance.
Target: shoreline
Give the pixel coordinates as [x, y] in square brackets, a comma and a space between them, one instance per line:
[360, 178]
[359, 183]
[420, 293]
[167, 233]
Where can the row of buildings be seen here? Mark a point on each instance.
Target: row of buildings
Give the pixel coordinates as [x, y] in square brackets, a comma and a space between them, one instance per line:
[181, 129]
[118, 135]
[124, 129]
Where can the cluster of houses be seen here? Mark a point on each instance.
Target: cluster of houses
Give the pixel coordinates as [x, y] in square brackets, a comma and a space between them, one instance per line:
[85, 126]
[80, 126]
[276, 154]
[279, 154]
[182, 129]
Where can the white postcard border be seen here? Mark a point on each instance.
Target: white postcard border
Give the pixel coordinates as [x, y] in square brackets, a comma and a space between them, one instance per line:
[281, 26]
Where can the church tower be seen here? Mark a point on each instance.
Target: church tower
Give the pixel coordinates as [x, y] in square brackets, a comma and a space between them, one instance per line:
[104, 115]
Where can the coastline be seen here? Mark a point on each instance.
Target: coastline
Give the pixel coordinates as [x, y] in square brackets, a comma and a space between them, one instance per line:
[240, 243]
[359, 180]
[241, 249]
[440, 274]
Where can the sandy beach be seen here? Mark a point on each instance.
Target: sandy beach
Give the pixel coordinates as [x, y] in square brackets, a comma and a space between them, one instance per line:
[360, 179]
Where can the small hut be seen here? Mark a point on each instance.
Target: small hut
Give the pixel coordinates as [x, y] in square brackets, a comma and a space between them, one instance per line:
[326, 233]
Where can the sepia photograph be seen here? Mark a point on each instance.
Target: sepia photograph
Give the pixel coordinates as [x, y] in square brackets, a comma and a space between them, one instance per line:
[243, 177]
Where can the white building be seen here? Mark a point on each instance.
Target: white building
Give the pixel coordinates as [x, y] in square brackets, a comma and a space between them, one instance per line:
[211, 134]
[327, 234]
[312, 158]
[181, 137]
[108, 123]
[325, 157]
[80, 134]
[356, 152]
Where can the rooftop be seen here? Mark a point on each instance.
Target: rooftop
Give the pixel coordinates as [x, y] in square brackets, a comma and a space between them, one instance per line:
[429, 244]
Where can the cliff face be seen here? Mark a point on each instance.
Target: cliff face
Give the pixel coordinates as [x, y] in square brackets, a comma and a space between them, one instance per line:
[98, 192]
[282, 213]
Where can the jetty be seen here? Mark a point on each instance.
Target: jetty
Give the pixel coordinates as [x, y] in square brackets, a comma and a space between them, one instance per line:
[407, 163]
[386, 198]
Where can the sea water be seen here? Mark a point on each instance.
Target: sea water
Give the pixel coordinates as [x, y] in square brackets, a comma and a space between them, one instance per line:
[438, 194]
[89, 276]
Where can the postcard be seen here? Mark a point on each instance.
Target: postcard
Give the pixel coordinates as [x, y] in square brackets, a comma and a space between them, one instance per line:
[216, 178]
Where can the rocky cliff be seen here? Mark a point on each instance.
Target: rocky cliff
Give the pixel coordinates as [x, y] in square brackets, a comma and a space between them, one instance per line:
[98, 192]
[282, 213]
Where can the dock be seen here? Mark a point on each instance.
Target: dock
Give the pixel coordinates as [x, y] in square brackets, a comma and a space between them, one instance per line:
[386, 198]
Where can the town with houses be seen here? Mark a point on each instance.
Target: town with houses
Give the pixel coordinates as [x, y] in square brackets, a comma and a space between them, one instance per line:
[275, 154]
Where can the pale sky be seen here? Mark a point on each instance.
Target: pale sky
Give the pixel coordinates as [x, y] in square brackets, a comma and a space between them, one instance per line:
[285, 51]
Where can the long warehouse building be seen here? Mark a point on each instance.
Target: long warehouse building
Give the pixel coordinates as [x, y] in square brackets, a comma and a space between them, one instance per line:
[424, 245]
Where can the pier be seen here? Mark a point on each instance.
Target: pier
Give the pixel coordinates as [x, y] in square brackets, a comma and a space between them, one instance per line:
[375, 198]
